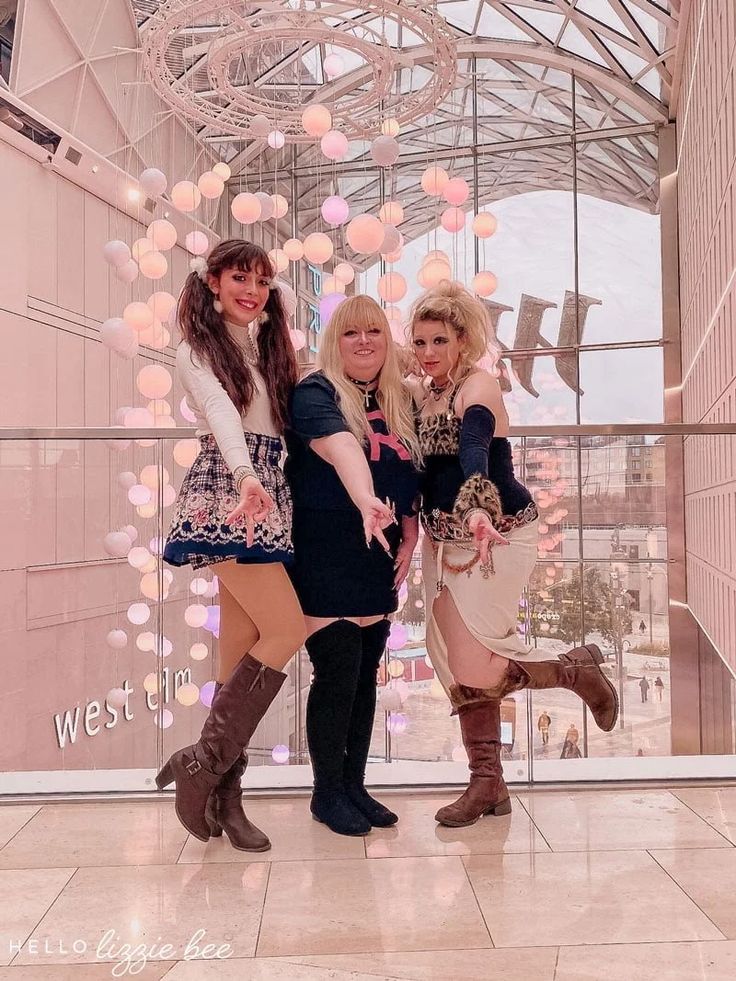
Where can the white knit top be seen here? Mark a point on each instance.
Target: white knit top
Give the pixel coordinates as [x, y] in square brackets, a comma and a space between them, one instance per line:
[213, 408]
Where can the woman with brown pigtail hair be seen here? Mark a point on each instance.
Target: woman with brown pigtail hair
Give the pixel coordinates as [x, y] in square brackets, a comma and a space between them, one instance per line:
[237, 365]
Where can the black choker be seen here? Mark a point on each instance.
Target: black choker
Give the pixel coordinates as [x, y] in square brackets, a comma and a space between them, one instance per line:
[365, 388]
[437, 391]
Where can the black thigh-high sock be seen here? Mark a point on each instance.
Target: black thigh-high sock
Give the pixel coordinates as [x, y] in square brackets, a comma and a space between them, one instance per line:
[360, 730]
[335, 652]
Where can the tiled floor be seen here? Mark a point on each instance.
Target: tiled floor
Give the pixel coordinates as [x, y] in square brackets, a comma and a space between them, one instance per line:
[572, 886]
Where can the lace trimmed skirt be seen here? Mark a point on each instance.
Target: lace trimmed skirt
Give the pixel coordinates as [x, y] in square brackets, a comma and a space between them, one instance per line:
[199, 534]
[486, 599]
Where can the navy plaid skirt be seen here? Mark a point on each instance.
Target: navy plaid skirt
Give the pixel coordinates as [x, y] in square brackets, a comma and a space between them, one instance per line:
[199, 534]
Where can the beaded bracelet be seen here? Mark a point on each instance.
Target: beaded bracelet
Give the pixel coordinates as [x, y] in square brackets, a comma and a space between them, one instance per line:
[240, 473]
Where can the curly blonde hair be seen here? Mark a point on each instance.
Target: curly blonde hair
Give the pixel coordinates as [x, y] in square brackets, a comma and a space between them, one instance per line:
[452, 305]
[393, 396]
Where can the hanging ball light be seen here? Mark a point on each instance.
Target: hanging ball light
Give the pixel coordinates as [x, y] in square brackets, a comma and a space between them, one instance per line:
[434, 272]
[140, 247]
[328, 305]
[335, 210]
[331, 284]
[484, 224]
[198, 651]
[117, 544]
[344, 272]
[318, 248]
[392, 287]
[128, 272]
[186, 196]
[334, 145]
[452, 219]
[195, 615]
[456, 191]
[294, 249]
[154, 381]
[116, 253]
[276, 139]
[153, 265]
[187, 694]
[391, 213]
[394, 256]
[484, 283]
[390, 127]
[119, 336]
[385, 151]
[260, 126]
[222, 170]
[150, 683]
[162, 234]
[139, 556]
[210, 184]
[138, 315]
[434, 180]
[139, 495]
[186, 452]
[139, 613]
[153, 181]
[246, 208]
[316, 120]
[279, 260]
[391, 240]
[161, 305]
[298, 339]
[365, 234]
[197, 243]
[280, 205]
[333, 65]
[266, 205]
[116, 698]
[138, 419]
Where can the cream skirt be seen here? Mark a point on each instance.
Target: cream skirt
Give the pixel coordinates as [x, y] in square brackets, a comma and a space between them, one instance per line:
[489, 606]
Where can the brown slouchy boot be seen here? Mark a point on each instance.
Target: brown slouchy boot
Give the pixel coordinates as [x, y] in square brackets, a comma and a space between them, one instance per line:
[240, 705]
[578, 671]
[480, 724]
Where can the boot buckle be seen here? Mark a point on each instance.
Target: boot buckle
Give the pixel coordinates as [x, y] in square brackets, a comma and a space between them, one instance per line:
[193, 767]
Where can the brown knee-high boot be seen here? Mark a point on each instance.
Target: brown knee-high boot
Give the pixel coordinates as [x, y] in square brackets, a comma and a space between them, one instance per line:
[240, 705]
[578, 671]
[480, 724]
[224, 811]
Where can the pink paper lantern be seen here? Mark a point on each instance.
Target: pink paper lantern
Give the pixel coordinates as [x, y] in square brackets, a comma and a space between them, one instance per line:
[279, 260]
[484, 283]
[456, 191]
[186, 196]
[390, 127]
[267, 205]
[334, 145]
[138, 419]
[392, 287]
[280, 205]
[162, 234]
[138, 315]
[452, 219]
[294, 249]
[154, 381]
[211, 184]
[335, 210]
[153, 265]
[392, 240]
[328, 305]
[344, 272]
[246, 208]
[385, 151]
[331, 284]
[161, 304]
[128, 272]
[317, 120]
[222, 170]
[434, 180]
[260, 126]
[434, 272]
[484, 224]
[197, 243]
[318, 247]
[365, 234]
[391, 213]
[140, 247]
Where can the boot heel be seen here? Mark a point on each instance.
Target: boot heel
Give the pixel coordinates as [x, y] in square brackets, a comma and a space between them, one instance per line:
[504, 807]
[165, 777]
[215, 831]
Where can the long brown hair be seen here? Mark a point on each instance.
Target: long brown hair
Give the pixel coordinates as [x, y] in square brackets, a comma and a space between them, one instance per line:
[203, 328]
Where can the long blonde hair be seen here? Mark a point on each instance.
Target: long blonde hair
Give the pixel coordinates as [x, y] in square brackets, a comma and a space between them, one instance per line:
[393, 396]
[451, 304]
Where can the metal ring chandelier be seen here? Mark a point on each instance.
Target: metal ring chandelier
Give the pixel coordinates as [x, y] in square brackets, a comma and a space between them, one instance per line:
[237, 34]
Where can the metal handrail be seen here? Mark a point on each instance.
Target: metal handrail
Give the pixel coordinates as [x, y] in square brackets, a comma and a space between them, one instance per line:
[187, 432]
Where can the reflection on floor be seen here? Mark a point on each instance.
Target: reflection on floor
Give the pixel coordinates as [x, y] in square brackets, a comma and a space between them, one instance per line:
[572, 886]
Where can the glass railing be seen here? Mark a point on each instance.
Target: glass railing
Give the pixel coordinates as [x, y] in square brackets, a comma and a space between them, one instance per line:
[108, 654]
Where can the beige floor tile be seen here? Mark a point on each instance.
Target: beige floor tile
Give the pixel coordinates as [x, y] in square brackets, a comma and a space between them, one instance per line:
[381, 904]
[716, 806]
[25, 895]
[613, 819]
[714, 961]
[62, 835]
[530, 964]
[153, 904]
[417, 833]
[13, 817]
[267, 969]
[708, 877]
[544, 899]
[293, 833]
[78, 972]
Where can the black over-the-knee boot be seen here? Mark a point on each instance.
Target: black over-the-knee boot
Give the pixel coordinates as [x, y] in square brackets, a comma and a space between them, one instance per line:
[373, 640]
[335, 652]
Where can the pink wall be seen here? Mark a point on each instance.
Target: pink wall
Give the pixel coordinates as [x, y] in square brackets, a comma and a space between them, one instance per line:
[706, 124]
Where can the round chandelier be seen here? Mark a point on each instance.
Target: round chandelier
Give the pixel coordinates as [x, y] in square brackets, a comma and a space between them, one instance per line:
[220, 63]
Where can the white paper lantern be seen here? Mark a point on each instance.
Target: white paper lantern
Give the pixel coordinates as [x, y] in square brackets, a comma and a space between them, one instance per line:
[276, 139]
[139, 613]
[153, 182]
[385, 151]
[260, 126]
[154, 381]
[117, 544]
[116, 698]
[197, 243]
[266, 204]
[280, 205]
[222, 170]
[116, 253]
[139, 556]
[195, 615]
[118, 336]
[127, 273]
[198, 652]
[117, 640]
[279, 260]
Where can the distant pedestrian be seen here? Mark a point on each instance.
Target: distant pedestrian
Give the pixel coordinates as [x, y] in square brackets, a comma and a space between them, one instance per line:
[642, 627]
[659, 685]
[570, 748]
[543, 724]
[644, 686]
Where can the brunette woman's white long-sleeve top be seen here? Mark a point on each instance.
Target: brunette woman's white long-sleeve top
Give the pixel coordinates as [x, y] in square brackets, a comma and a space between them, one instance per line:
[214, 410]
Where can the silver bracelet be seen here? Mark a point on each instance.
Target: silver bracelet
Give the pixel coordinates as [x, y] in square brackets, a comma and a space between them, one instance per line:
[469, 514]
[240, 473]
